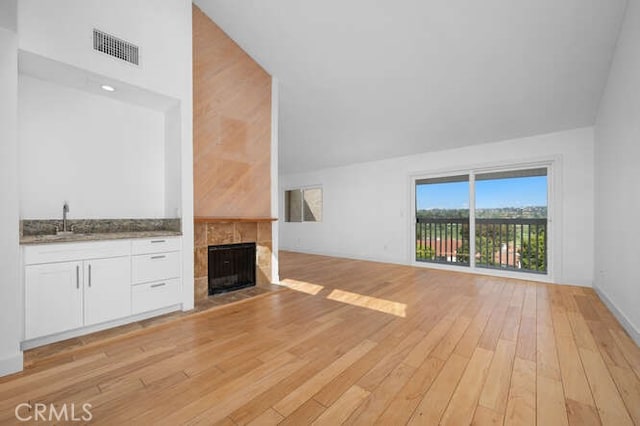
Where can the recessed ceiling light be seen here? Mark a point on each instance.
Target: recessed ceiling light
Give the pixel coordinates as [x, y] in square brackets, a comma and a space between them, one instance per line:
[108, 88]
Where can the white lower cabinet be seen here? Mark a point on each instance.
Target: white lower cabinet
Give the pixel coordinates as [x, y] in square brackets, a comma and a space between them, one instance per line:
[107, 291]
[68, 295]
[75, 285]
[53, 294]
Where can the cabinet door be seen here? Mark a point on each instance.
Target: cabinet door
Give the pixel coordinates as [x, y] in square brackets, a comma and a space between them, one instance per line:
[107, 292]
[53, 298]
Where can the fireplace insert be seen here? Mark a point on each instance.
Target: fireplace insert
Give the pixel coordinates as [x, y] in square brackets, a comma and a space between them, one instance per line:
[231, 267]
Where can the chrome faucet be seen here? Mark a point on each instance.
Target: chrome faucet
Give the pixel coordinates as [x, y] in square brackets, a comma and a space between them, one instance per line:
[65, 210]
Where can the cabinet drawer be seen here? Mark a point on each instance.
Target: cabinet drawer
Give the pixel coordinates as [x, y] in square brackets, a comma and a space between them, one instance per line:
[153, 267]
[155, 295]
[155, 245]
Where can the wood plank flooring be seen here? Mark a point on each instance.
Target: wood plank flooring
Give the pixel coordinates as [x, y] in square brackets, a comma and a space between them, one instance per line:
[354, 342]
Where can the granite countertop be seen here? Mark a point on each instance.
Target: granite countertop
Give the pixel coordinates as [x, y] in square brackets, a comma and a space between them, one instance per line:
[48, 239]
[44, 231]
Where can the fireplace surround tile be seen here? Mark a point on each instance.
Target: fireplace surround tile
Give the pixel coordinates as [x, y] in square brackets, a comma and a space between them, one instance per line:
[201, 288]
[264, 232]
[220, 233]
[201, 262]
[230, 231]
[200, 235]
[246, 232]
[264, 254]
[264, 264]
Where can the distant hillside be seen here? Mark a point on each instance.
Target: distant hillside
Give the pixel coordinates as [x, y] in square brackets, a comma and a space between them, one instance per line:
[529, 212]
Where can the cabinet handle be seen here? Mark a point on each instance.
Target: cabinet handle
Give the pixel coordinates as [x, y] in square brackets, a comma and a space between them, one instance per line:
[77, 276]
[158, 257]
[89, 275]
[158, 241]
[158, 285]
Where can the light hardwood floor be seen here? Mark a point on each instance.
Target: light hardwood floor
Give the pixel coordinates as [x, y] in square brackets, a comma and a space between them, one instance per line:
[359, 343]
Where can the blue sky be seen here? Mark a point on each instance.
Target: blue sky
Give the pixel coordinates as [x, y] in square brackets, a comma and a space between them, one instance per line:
[496, 193]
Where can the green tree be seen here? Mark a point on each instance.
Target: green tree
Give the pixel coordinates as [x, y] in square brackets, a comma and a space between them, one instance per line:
[462, 256]
[424, 252]
[534, 256]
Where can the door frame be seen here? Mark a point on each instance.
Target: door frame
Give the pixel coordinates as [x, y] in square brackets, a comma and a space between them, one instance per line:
[554, 226]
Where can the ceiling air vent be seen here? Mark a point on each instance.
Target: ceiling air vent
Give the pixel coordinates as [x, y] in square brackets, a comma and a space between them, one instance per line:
[113, 46]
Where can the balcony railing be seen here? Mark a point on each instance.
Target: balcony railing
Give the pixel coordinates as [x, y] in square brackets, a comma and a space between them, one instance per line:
[514, 244]
[443, 240]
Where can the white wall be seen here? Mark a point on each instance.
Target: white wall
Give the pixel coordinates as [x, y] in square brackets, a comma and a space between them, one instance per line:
[63, 30]
[366, 206]
[172, 161]
[275, 187]
[617, 200]
[103, 156]
[10, 290]
[184, 76]
[8, 9]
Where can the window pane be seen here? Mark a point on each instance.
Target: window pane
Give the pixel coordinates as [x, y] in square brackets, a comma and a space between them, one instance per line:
[511, 195]
[312, 207]
[511, 220]
[293, 205]
[443, 197]
[442, 220]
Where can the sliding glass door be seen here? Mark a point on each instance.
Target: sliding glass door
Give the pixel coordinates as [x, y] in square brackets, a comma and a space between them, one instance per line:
[508, 218]
[511, 220]
[442, 220]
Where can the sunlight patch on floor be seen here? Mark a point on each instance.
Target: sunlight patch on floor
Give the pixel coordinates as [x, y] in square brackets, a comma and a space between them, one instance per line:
[381, 305]
[302, 286]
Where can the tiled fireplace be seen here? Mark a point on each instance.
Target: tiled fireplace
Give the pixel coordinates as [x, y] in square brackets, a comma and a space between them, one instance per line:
[219, 231]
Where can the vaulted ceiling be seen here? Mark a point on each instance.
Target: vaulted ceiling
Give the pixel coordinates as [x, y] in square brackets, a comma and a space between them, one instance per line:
[370, 79]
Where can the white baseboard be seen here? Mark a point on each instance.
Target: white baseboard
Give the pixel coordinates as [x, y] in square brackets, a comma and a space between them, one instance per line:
[11, 365]
[624, 321]
[343, 255]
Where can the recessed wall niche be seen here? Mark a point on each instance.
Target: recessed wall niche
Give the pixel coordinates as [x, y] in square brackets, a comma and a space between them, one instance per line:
[108, 154]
